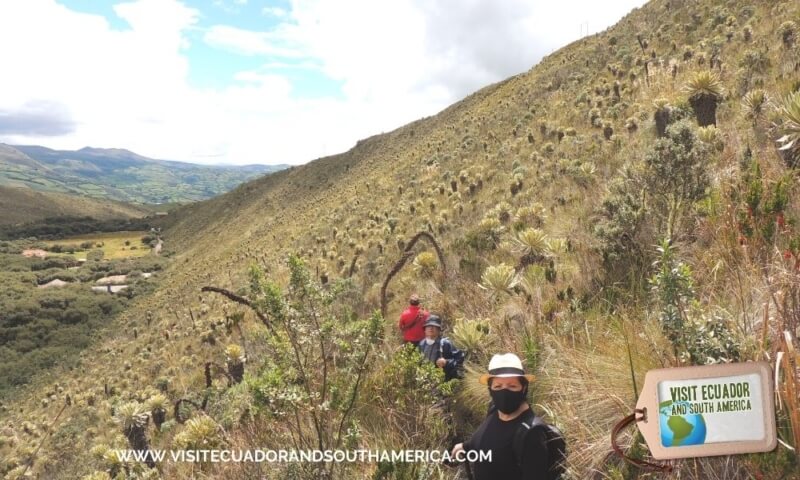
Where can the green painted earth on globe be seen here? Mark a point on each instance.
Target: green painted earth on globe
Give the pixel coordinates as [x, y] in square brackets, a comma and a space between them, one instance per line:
[680, 430]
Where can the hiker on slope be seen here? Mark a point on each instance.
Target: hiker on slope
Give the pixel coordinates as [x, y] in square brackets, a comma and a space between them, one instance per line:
[517, 439]
[440, 350]
[411, 321]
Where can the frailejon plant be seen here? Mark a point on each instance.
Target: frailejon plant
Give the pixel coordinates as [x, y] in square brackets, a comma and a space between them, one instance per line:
[425, 264]
[532, 241]
[631, 124]
[661, 116]
[705, 92]
[473, 337]
[788, 33]
[529, 216]
[109, 460]
[235, 360]
[200, 433]
[789, 129]
[499, 279]
[132, 417]
[533, 246]
[707, 135]
[754, 103]
[157, 405]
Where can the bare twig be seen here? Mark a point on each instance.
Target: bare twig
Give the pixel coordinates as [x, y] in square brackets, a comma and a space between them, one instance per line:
[407, 253]
[35, 452]
[242, 301]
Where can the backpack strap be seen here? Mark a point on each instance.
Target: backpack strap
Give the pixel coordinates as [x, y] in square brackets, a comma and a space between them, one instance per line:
[518, 443]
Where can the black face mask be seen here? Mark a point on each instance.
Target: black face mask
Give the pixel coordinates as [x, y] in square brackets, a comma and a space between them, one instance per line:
[508, 401]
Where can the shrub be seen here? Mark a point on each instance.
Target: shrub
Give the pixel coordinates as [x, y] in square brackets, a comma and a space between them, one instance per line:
[95, 256]
[709, 339]
[319, 354]
[619, 225]
[697, 338]
[406, 393]
[676, 173]
[673, 287]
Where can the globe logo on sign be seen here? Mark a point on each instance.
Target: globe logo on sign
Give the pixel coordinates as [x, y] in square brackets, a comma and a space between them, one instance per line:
[680, 429]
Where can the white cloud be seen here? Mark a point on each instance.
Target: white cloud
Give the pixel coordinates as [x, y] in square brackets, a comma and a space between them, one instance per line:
[274, 12]
[247, 42]
[397, 61]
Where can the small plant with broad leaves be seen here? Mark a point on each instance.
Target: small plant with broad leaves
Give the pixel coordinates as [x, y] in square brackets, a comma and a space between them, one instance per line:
[789, 129]
[499, 279]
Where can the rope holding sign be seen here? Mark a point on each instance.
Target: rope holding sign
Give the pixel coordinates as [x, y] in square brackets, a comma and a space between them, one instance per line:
[643, 464]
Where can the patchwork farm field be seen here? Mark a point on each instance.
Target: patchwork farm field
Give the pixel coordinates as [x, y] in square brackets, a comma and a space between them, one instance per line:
[114, 245]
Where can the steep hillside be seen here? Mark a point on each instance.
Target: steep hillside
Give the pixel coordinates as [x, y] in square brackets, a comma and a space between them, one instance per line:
[588, 224]
[119, 174]
[23, 205]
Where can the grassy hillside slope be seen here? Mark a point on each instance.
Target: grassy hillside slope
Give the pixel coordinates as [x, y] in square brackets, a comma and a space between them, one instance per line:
[549, 193]
[119, 174]
[24, 205]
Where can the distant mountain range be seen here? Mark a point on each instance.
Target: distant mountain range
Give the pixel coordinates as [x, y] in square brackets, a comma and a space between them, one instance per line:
[119, 174]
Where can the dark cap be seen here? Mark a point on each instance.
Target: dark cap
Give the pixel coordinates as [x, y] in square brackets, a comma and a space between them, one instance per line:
[433, 321]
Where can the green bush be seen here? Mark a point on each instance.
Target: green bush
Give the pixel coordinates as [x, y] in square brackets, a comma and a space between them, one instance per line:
[319, 354]
[676, 174]
[95, 255]
[43, 327]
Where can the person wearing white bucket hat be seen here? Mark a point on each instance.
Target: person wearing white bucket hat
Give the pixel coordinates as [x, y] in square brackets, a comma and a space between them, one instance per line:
[519, 451]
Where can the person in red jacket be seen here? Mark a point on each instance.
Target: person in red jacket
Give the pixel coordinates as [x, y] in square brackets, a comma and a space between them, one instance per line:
[411, 321]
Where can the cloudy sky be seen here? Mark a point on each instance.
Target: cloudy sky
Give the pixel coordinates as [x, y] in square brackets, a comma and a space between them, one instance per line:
[261, 81]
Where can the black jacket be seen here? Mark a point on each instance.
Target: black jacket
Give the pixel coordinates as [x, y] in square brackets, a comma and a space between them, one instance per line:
[497, 436]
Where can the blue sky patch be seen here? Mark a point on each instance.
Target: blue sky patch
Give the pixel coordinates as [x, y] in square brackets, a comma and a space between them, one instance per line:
[216, 67]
